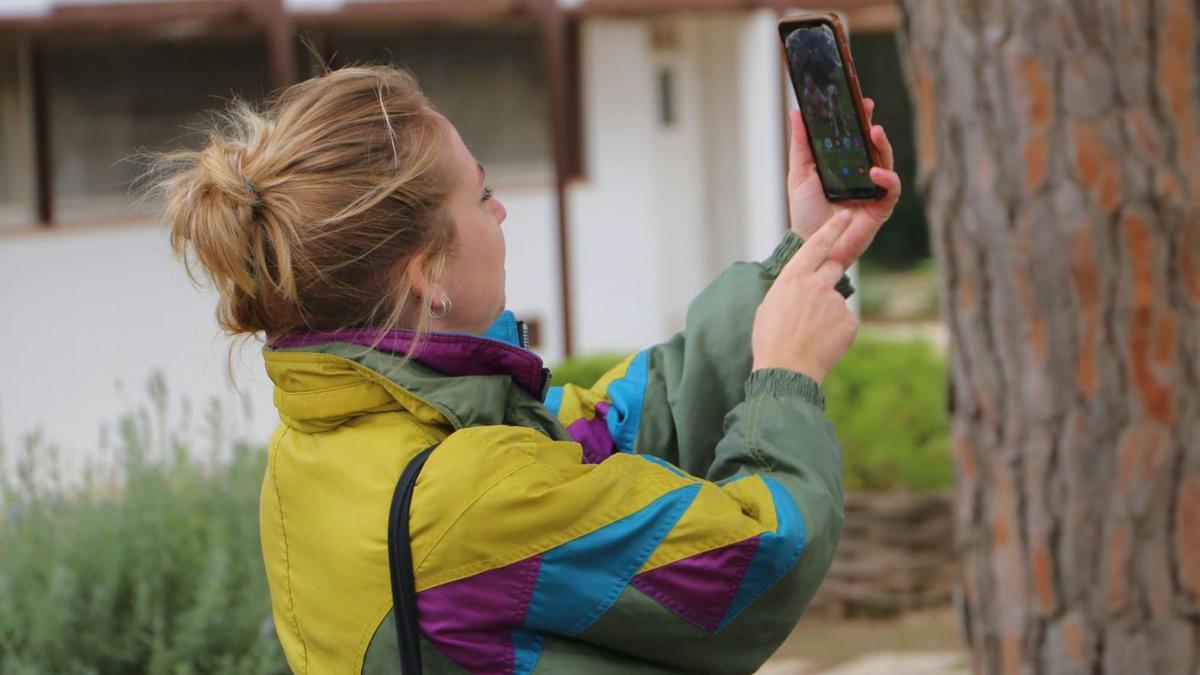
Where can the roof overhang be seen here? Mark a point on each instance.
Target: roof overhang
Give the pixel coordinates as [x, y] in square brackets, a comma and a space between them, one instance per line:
[133, 14]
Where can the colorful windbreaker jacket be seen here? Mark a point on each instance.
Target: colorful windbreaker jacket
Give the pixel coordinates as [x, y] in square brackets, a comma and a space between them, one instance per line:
[676, 517]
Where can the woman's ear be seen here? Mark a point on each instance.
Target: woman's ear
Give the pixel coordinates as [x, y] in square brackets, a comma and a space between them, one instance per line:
[422, 273]
[414, 275]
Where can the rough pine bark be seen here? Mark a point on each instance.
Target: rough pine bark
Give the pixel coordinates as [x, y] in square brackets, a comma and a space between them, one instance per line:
[1059, 146]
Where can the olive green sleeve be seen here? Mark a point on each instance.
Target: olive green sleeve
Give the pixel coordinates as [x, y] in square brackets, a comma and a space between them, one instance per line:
[697, 377]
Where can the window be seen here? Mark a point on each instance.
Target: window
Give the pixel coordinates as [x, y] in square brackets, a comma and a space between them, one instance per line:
[110, 99]
[17, 170]
[490, 82]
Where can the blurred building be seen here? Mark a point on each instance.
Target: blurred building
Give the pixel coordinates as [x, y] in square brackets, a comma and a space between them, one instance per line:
[639, 146]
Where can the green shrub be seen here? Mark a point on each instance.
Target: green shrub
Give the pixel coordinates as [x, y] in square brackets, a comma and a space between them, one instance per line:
[887, 402]
[585, 370]
[151, 566]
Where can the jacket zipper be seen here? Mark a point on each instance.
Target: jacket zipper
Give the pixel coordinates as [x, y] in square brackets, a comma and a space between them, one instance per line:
[523, 334]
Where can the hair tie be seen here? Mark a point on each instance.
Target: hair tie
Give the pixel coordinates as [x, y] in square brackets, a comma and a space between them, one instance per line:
[256, 207]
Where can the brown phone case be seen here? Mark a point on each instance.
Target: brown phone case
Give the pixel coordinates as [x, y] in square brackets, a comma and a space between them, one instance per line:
[843, 44]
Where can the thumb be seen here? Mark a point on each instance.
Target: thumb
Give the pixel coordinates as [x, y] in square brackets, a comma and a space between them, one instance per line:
[800, 157]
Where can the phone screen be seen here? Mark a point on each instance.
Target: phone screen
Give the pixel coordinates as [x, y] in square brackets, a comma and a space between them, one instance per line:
[823, 91]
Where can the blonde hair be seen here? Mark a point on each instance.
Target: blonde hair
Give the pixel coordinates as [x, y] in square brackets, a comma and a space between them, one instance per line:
[303, 213]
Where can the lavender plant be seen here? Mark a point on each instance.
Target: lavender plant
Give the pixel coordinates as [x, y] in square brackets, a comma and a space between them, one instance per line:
[147, 562]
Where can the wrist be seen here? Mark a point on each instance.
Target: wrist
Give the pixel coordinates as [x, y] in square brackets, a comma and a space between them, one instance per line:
[802, 232]
[809, 370]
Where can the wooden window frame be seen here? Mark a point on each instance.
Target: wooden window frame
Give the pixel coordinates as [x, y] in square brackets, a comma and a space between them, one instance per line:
[130, 19]
[22, 45]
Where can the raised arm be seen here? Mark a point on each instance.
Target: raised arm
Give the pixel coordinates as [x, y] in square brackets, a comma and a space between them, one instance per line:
[669, 400]
[675, 395]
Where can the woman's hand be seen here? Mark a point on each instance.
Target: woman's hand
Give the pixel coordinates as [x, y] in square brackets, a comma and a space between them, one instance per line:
[806, 200]
[803, 324]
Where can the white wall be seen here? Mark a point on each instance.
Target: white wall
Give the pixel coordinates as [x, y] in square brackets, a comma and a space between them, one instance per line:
[662, 210]
[725, 201]
[614, 243]
[81, 310]
[531, 238]
[764, 152]
[680, 156]
[659, 212]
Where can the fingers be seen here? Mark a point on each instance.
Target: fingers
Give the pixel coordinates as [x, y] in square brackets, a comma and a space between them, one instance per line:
[888, 180]
[829, 273]
[869, 218]
[880, 140]
[800, 157]
[879, 137]
[857, 239]
[816, 250]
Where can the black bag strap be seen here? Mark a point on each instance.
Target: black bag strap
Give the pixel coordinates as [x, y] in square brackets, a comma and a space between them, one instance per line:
[400, 563]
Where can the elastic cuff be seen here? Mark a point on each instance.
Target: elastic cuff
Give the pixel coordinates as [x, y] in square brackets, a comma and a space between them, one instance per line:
[783, 253]
[779, 382]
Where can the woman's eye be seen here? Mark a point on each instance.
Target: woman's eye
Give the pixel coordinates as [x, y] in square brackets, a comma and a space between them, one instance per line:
[487, 193]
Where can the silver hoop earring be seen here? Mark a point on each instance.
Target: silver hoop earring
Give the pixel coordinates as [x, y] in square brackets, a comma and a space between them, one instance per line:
[446, 305]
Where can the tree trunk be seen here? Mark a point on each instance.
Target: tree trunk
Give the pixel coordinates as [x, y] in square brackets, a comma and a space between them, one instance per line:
[1060, 163]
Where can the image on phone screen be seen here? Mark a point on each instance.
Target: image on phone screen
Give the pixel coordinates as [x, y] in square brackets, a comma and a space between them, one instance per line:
[838, 141]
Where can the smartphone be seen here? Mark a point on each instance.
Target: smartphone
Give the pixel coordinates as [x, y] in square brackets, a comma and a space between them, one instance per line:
[826, 86]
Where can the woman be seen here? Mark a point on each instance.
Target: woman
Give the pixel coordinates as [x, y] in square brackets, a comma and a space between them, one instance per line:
[677, 516]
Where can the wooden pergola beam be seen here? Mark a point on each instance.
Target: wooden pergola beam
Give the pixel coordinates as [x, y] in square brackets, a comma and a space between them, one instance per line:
[124, 16]
[450, 12]
[135, 18]
[556, 44]
[42, 156]
[640, 7]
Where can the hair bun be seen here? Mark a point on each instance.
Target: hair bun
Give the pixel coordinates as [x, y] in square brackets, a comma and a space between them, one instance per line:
[299, 214]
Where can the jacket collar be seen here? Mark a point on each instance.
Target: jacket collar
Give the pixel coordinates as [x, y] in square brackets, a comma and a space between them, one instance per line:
[502, 350]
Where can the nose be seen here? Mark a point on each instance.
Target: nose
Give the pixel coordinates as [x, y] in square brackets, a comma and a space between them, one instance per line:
[501, 212]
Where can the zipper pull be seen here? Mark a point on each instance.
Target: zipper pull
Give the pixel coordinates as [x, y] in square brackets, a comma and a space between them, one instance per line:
[523, 334]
